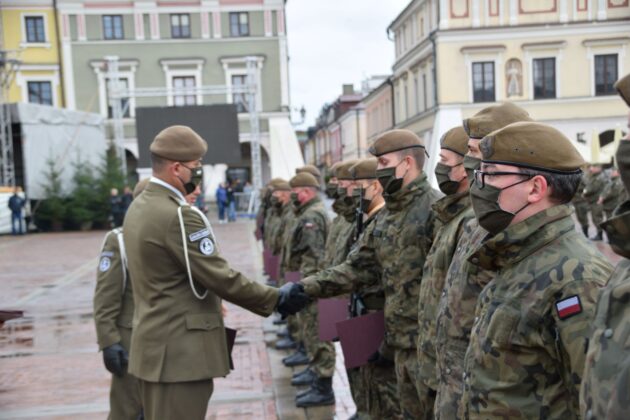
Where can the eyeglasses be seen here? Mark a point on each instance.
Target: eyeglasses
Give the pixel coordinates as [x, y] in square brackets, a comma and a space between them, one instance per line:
[480, 176]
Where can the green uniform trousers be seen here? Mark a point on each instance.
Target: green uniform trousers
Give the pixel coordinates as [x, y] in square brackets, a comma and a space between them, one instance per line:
[358, 391]
[416, 399]
[381, 392]
[124, 393]
[321, 353]
[177, 400]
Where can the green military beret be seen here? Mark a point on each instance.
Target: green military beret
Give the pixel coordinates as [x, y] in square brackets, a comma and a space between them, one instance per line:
[531, 145]
[455, 140]
[281, 185]
[304, 179]
[623, 87]
[395, 140]
[364, 169]
[343, 170]
[272, 184]
[333, 169]
[140, 186]
[179, 143]
[309, 169]
[492, 118]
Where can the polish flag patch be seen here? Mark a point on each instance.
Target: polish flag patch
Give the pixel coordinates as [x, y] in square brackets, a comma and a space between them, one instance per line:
[569, 307]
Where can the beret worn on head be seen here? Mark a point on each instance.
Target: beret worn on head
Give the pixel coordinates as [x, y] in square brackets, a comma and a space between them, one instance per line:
[179, 143]
[309, 169]
[364, 169]
[493, 118]
[531, 145]
[343, 170]
[455, 140]
[395, 140]
[304, 179]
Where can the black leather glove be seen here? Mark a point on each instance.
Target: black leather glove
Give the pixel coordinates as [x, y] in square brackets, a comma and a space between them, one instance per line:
[377, 359]
[292, 299]
[115, 358]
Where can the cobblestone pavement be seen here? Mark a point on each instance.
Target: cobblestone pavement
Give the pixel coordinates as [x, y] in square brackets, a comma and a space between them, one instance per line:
[50, 367]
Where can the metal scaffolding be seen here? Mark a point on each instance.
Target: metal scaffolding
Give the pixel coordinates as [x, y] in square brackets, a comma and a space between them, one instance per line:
[8, 67]
[118, 92]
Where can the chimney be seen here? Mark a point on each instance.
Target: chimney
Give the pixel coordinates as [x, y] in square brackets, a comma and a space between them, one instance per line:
[347, 89]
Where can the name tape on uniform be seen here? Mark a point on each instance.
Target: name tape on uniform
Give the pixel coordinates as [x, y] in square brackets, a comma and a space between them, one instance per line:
[199, 235]
[569, 307]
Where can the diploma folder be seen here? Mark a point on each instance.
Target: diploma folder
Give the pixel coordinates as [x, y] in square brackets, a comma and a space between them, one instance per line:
[329, 313]
[361, 337]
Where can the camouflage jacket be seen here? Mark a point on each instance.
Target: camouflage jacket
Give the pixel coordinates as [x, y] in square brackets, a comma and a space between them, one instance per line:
[614, 194]
[578, 198]
[393, 251]
[279, 233]
[307, 241]
[604, 393]
[337, 244]
[595, 184]
[272, 219]
[452, 212]
[289, 226]
[456, 312]
[527, 346]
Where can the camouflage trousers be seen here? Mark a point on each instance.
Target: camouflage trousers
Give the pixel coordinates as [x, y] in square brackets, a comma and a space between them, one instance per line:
[358, 391]
[381, 392]
[416, 399]
[293, 325]
[125, 401]
[320, 353]
[597, 214]
[581, 211]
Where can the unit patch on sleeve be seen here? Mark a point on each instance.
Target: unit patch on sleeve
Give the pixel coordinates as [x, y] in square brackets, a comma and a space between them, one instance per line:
[198, 235]
[569, 307]
[104, 265]
[206, 246]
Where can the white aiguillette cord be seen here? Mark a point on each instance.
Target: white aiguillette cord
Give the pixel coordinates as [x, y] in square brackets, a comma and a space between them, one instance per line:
[184, 244]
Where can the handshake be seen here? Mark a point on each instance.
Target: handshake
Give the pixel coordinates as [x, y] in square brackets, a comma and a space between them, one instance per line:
[292, 299]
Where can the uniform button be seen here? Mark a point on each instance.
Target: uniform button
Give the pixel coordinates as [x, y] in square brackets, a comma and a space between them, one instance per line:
[475, 260]
[448, 371]
[443, 293]
[589, 414]
[476, 318]
[464, 376]
[608, 333]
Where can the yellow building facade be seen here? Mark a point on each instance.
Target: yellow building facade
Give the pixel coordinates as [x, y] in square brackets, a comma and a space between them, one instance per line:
[558, 59]
[29, 34]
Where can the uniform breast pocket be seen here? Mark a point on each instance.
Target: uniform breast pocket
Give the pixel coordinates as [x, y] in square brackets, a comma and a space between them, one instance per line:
[503, 326]
[206, 322]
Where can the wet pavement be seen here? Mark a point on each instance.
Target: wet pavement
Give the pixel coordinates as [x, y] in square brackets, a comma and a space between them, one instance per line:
[50, 367]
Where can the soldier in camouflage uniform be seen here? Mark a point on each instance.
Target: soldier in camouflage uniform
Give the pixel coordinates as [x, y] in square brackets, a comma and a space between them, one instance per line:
[306, 255]
[463, 280]
[581, 205]
[393, 253]
[592, 190]
[613, 195]
[532, 321]
[375, 390]
[337, 246]
[604, 393]
[453, 211]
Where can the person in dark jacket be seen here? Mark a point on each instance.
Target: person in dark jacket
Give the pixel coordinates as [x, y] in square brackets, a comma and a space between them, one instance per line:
[222, 201]
[16, 204]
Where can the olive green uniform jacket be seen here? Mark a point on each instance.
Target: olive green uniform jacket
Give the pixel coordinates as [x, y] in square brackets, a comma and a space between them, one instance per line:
[178, 337]
[528, 342]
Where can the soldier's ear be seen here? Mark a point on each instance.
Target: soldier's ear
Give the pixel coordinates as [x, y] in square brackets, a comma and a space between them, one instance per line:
[539, 189]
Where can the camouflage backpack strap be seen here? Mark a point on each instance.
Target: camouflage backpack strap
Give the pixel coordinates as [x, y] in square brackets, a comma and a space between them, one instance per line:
[184, 245]
[123, 256]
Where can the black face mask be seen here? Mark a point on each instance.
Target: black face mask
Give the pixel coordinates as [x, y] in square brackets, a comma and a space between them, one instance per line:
[446, 184]
[331, 190]
[295, 200]
[275, 202]
[471, 164]
[196, 176]
[387, 178]
[489, 214]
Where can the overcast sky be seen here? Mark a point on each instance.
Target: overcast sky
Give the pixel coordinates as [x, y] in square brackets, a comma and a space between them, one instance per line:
[332, 42]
